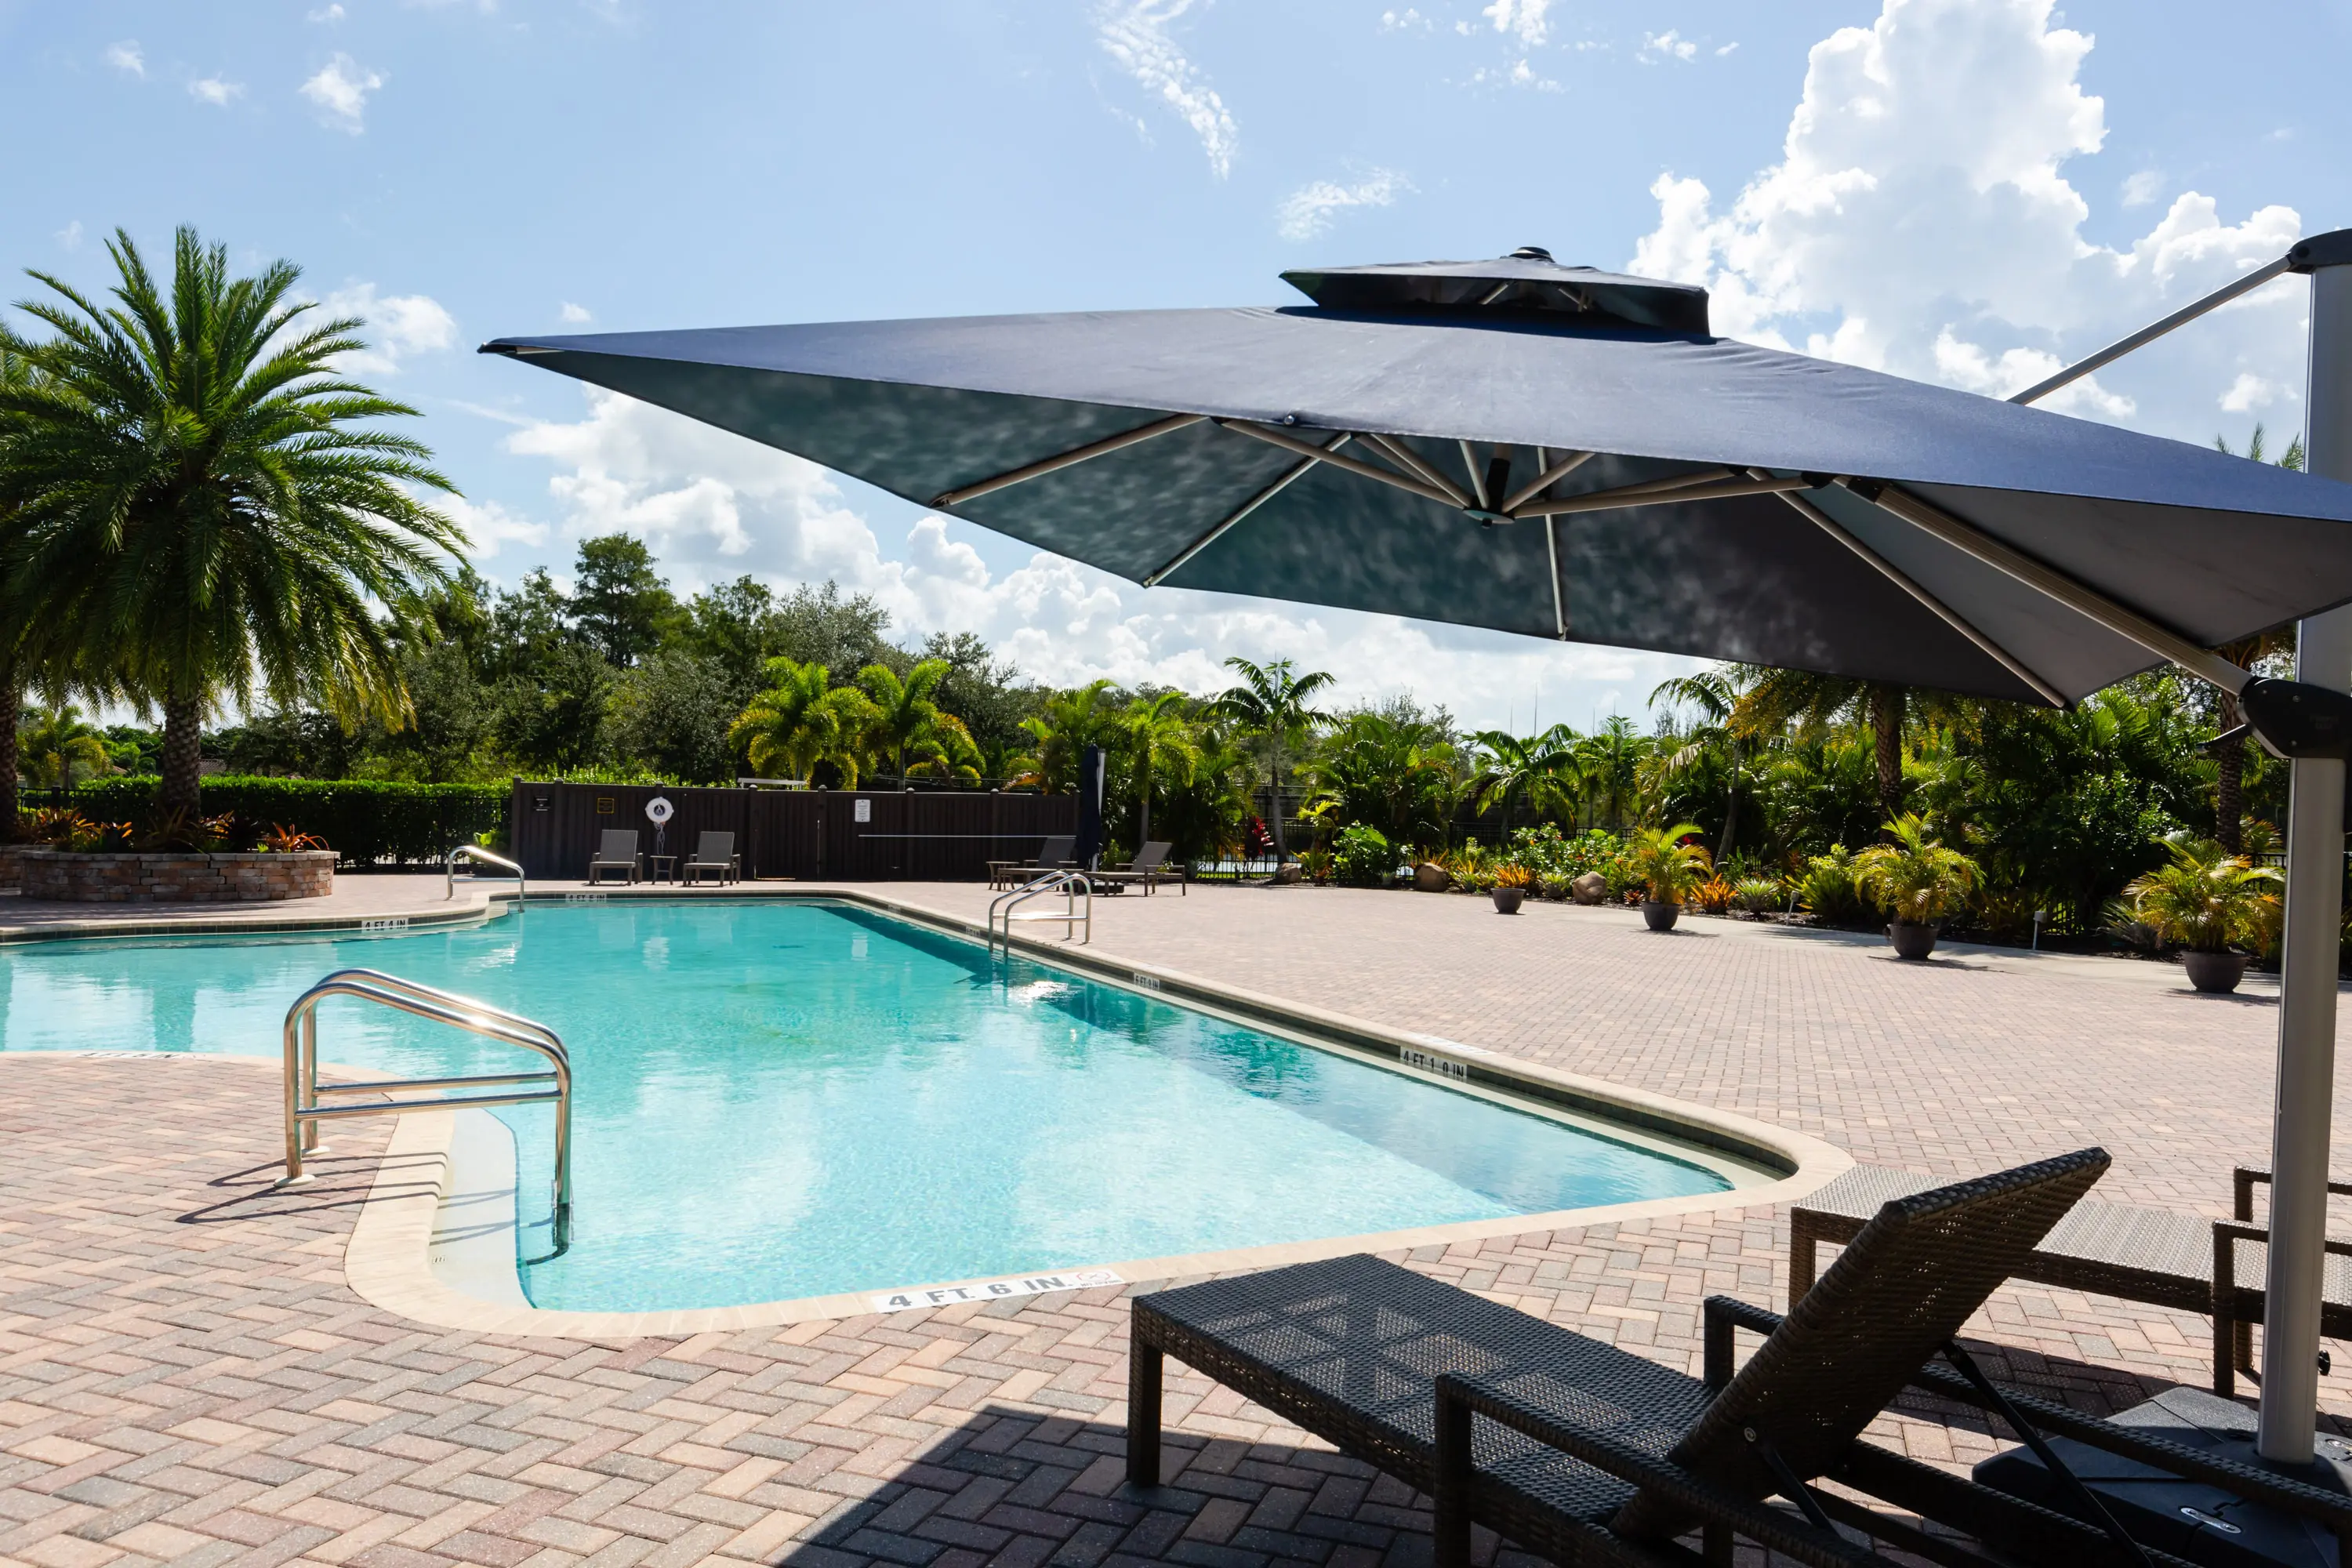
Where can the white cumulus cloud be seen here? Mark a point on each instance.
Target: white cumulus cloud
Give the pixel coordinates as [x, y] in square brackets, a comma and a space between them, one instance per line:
[2248, 393]
[1307, 211]
[1135, 33]
[1667, 45]
[574, 314]
[339, 93]
[1400, 21]
[216, 92]
[1920, 221]
[125, 56]
[398, 326]
[1523, 19]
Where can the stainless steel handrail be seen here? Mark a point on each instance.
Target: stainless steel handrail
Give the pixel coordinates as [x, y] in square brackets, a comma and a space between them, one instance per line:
[303, 1090]
[476, 852]
[1078, 906]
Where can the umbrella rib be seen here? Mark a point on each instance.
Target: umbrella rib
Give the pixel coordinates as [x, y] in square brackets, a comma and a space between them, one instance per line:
[2048, 580]
[1153, 580]
[1470, 466]
[1545, 481]
[1304, 449]
[1559, 599]
[1904, 581]
[1075, 455]
[1395, 447]
[1653, 494]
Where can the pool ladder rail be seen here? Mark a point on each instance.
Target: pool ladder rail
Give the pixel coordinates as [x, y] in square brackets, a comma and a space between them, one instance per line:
[476, 853]
[304, 1092]
[1078, 906]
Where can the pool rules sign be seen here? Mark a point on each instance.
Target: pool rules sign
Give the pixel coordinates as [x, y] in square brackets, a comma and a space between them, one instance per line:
[993, 1290]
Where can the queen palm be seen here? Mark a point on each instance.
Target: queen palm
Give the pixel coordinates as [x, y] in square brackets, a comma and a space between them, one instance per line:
[1160, 734]
[903, 713]
[800, 720]
[1270, 705]
[210, 508]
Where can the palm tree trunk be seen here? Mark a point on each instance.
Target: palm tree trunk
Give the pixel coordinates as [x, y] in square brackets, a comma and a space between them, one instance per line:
[2230, 782]
[181, 788]
[12, 707]
[1887, 726]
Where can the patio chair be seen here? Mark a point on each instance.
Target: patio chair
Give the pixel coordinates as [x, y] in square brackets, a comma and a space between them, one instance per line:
[1148, 867]
[714, 853]
[2183, 1261]
[616, 851]
[1587, 1453]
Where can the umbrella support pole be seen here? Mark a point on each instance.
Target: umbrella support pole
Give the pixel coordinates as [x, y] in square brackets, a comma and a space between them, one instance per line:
[2311, 950]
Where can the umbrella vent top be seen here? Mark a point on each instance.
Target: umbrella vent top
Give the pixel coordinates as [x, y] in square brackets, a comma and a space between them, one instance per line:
[1527, 280]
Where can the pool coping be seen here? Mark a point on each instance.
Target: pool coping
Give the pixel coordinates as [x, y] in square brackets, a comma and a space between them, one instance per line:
[388, 1258]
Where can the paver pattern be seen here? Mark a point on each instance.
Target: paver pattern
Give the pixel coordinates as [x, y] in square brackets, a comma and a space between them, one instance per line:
[185, 1378]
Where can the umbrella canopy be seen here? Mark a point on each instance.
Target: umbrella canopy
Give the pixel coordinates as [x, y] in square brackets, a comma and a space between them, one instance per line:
[1535, 448]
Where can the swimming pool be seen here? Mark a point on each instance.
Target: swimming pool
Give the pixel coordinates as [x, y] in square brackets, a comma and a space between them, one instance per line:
[777, 1100]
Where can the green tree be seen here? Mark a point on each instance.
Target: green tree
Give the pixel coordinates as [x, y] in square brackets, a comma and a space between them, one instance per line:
[618, 601]
[671, 713]
[550, 712]
[1067, 723]
[1539, 770]
[208, 505]
[903, 713]
[1394, 770]
[1773, 698]
[799, 721]
[1608, 769]
[1159, 738]
[1271, 707]
[60, 749]
[1713, 694]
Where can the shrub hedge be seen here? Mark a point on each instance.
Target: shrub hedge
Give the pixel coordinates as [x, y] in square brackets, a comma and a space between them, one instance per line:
[364, 821]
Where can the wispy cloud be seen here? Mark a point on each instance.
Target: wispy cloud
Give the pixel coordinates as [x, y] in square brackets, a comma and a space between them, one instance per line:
[1669, 45]
[214, 91]
[1400, 21]
[340, 93]
[326, 14]
[1307, 211]
[2142, 188]
[69, 236]
[125, 58]
[1727, 48]
[1135, 33]
[575, 315]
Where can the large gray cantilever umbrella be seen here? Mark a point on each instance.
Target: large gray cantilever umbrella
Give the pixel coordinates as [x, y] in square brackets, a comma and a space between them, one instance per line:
[1566, 453]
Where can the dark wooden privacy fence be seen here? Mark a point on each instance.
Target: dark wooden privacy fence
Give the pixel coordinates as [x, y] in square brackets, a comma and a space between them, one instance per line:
[922, 835]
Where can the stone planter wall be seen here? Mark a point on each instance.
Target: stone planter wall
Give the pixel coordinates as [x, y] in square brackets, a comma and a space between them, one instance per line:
[174, 878]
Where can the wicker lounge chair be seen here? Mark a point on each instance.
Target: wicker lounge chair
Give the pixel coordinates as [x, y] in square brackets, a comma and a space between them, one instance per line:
[1148, 867]
[2182, 1261]
[714, 853]
[1591, 1455]
[616, 851]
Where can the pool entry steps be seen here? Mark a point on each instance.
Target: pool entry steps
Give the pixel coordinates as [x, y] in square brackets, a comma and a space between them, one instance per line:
[1077, 908]
[303, 1090]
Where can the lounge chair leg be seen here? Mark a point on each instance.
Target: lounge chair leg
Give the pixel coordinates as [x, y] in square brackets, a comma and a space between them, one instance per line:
[1450, 1495]
[1714, 1545]
[1801, 1262]
[1143, 1371]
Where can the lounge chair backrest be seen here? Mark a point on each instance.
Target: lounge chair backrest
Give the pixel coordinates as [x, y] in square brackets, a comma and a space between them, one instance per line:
[1152, 857]
[618, 843]
[714, 849]
[1053, 851]
[1897, 1293]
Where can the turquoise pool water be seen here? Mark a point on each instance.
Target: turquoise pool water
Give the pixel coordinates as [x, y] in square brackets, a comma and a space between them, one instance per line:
[777, 1100]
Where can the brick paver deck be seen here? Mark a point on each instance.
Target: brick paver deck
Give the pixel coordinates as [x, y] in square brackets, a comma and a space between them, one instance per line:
[185, 1378]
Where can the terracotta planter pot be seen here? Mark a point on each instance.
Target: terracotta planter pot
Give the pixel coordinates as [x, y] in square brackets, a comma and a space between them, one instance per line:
[2215, 973]
[1508, 900]
[1590, 889]
[1430, 879]
[1658, 916]
[1912, 939]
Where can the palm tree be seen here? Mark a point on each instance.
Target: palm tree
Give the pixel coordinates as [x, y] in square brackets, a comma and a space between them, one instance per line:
[1539, 769]
[1058, 736]
[1773, 698]
[1160, 732]
[59, 749]
[1609, 767]
[1395, 774]
[1715, 693]
[946, 750]
[1270, 705]
[903, 711]
[799, 721]
[209, 507]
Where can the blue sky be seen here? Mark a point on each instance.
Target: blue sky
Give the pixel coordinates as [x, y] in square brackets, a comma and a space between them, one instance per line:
[1966, 191]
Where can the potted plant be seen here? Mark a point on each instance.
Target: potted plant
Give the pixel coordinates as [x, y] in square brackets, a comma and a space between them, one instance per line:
[1915, 881]
[1510, 889]
[2206, 899]
[1669, 870]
